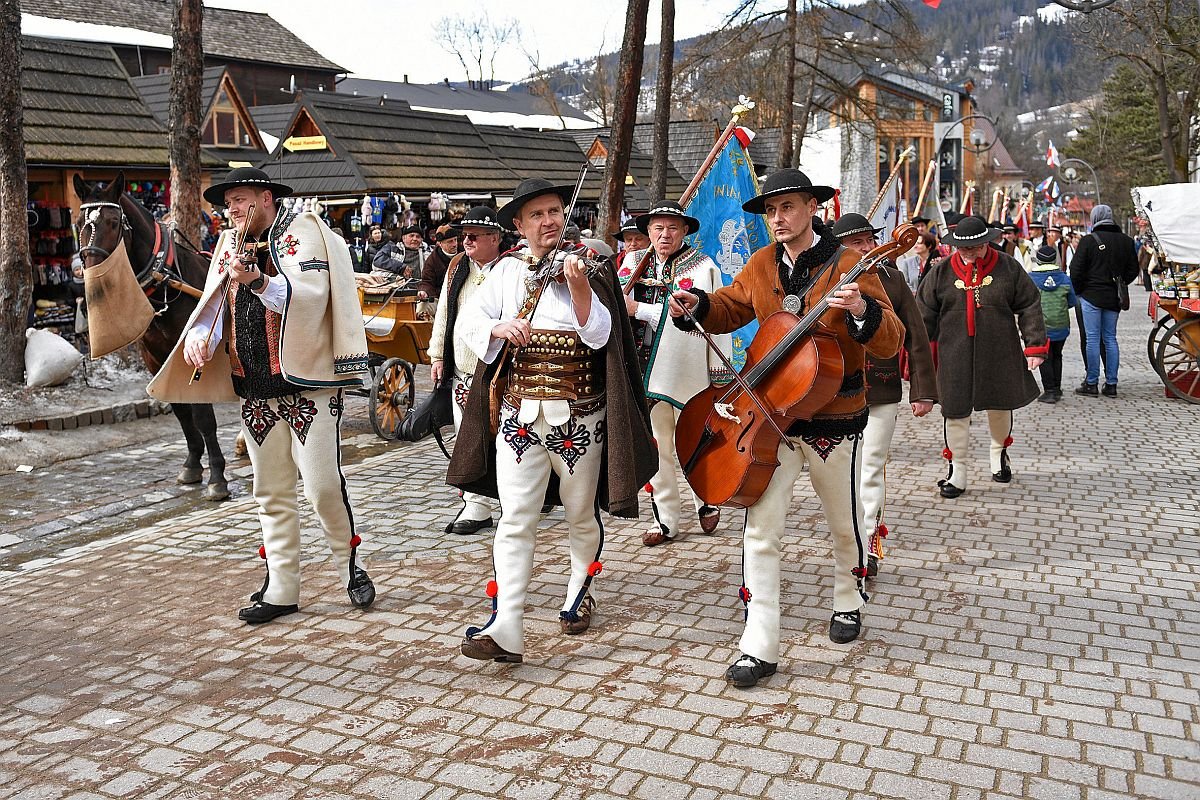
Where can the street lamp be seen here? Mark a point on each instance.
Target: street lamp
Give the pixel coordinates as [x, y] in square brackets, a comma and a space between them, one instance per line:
[1068, 170]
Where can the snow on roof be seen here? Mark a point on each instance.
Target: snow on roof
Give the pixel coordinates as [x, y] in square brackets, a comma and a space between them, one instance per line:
[509, 119]
[49, 28]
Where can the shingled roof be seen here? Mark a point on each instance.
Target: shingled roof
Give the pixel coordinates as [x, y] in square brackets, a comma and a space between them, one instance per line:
[80, 108]
[542, 154]
[688, 143]
[382, 145]
[228, 34]
[156, 92]
[637, 195]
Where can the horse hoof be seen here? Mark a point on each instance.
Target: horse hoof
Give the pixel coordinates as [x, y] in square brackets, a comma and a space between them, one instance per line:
[189, 475]
[217, 491]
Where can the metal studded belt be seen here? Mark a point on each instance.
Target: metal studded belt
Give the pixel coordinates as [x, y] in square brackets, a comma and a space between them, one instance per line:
[556, 365]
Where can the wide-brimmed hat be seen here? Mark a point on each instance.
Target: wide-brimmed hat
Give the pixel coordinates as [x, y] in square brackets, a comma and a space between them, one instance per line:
[630, 226]
[244, 176]
[666, 208]
[917, 219]
[1037, 223]
[481, 217]
[527, 190]
[1008, 227]
[972, 232]
[786, 181]
[952, 218]
[849, 225]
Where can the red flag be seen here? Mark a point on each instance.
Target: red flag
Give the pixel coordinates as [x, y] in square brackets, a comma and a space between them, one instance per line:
[933, 3]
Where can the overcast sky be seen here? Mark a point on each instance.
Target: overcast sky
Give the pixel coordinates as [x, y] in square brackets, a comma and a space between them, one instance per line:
[386, 40]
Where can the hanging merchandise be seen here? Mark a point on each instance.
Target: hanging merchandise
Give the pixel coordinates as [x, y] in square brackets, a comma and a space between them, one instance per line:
[356, 225]
[438, 204]
[376, 211]
[364, 210]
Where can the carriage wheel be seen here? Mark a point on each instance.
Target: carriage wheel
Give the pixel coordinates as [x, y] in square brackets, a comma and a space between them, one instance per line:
[1156, 336]
[391, 396]
[1178, 360]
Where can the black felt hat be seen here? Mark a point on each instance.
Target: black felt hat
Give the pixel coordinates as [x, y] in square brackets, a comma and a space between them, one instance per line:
[972, 232]
[481, 217]
[666, 208]
[851, 225]
[244, 176]
[917, 219]
[787, 181]
[526, 191]
[630, 226]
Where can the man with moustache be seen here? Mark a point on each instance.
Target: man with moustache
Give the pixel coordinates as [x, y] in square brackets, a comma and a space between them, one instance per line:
[795, 274]
[288, 342]
[567, 422]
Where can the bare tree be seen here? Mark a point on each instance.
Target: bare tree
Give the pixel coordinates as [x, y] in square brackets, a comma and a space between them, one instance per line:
[629, 81]
[475, 40]
[597, 87]
[788, 139]
[16, 272]
[540, 85]
[1161, 40]
[662, 103]
[187, 72]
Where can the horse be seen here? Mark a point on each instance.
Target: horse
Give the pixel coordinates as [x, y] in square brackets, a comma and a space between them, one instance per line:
[165, 272]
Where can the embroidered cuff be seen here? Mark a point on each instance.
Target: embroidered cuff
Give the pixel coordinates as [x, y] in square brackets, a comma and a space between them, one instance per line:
[1040, 350]
[862, 330]
[699, 312]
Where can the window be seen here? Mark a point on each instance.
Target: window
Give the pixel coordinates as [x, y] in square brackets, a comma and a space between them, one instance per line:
[223, 128]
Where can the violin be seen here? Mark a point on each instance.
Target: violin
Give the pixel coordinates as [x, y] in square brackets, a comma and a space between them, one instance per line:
[551, 266]
[241, 248]
[728, 436]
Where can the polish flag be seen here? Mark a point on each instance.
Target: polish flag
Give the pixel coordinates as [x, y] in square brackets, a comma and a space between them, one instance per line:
[1052, 155]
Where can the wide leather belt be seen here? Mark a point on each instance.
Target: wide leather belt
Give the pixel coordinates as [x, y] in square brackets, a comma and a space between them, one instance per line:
[556, 365]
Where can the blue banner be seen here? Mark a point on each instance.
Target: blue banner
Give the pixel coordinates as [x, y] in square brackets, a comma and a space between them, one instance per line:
[727, 234]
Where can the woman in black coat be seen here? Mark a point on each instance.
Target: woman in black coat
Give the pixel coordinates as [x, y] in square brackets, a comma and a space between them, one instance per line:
[1105, 261]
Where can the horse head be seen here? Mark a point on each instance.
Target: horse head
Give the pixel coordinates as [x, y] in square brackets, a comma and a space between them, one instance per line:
[102, 223]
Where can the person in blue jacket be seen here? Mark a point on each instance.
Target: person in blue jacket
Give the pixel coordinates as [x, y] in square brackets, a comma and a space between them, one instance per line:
[1058, 297]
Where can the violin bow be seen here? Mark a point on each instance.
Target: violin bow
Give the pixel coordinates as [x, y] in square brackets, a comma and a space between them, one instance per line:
[239, 247]
[722, 408]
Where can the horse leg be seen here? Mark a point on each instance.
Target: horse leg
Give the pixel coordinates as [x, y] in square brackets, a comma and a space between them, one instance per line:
[206, 423]
[191, 472]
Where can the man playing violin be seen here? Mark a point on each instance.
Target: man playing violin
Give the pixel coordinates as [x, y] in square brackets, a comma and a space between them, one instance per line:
[795, 274]
[285, 338]
[556, 332]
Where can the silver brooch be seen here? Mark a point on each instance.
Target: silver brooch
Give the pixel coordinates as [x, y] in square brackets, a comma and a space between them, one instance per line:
[791, 304]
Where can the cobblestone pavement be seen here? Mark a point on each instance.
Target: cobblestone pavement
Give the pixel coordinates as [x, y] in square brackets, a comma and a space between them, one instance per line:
[1029, 640]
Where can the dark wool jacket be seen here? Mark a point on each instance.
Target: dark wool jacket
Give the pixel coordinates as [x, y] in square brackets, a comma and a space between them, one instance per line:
[884, 374]
[1105, 256]
[434, 272]
[757, 292]
[630, 457]
[987, 370]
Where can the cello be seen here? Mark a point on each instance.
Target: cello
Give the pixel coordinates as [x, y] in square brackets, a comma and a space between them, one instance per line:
[728, 436]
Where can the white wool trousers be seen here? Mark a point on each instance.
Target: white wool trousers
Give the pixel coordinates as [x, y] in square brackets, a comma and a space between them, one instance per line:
[664, 486]
[957, 434]
[286, 436]
[475, 506]
[877, 441]
[527, 452]
[834, 467]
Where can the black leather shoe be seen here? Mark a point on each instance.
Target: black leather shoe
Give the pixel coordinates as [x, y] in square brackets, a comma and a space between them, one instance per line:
[1003, 476]
[748, 670]
[465, 527]
[1058, 394]
[1087, 390]
[262, 612]
[1048, 396]
[1109, 390]
[872, 566]
[546, 509]
[948, 489]
[484, 648]
[361, 590]
[844, 626]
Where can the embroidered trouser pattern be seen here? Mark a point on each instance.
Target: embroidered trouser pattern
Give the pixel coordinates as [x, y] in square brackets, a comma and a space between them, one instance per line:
[958, 441]
[665, 483]
[299, 433]
[526, 453]
[475, 506]
[834, 467]
[877, 441]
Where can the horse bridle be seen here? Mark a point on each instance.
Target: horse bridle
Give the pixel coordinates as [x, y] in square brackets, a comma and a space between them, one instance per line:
[161, 261]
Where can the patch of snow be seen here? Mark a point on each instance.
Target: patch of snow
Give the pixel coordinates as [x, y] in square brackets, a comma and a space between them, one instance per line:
[515, 120]
[50, 28]
[1054, 13]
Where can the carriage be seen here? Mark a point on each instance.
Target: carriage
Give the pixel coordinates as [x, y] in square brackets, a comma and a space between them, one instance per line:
[398, 327]
[1173, 346]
